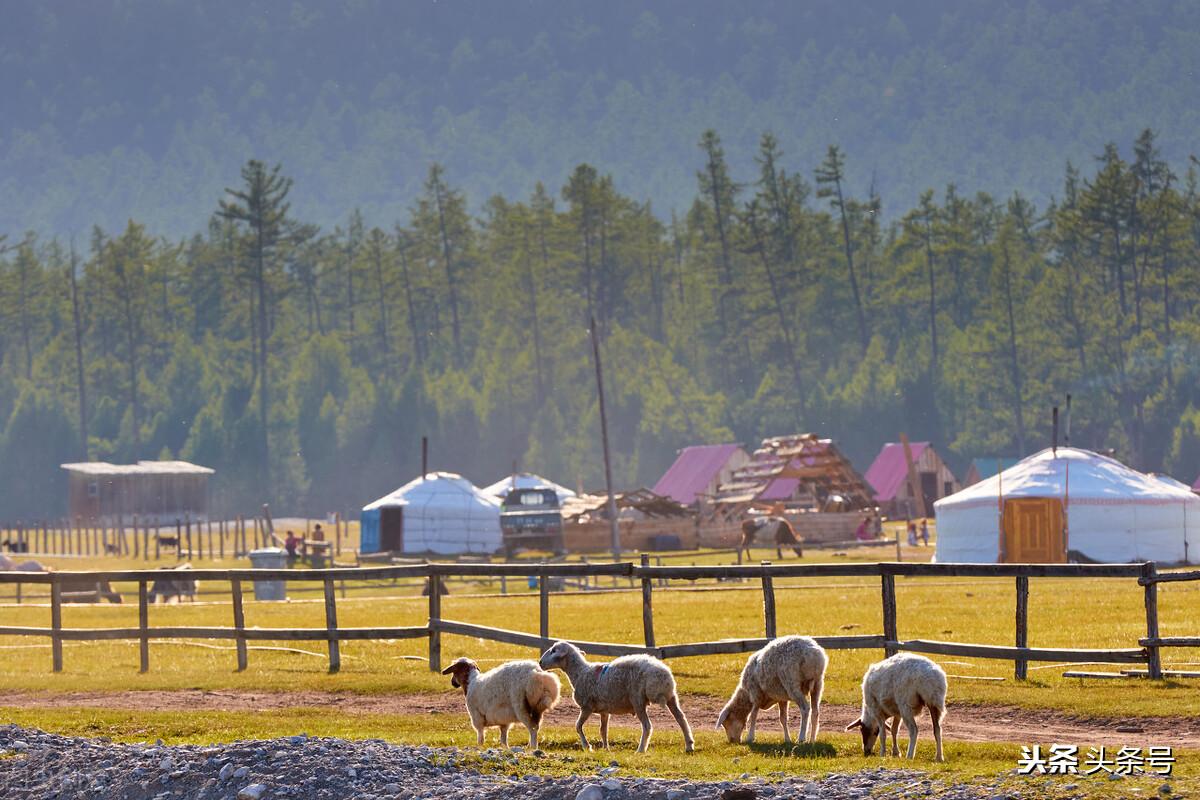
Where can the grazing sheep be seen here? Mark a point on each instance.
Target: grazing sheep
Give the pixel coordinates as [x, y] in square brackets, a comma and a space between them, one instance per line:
[624, 686]
[518, 691]
[898, 688]
[788, 668]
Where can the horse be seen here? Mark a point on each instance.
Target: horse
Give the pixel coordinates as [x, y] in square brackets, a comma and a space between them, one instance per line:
[782, 531]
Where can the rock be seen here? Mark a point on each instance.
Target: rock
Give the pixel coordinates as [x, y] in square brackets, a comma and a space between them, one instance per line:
[676, 794]
[611, 785]
[252, 792]
[606, 771]
[590, 792]
[19, 745]
[1130, 729]
[241, 772]
[392, 788]
[226, 772]
[739, 793]
[1164, 789]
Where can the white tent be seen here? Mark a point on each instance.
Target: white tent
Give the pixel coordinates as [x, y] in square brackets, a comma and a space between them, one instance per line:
[525, 480]
[1070, 503]
[439, 513]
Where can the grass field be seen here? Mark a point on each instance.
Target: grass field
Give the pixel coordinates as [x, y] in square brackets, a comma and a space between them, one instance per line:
[1063, 612]
[1090, 613]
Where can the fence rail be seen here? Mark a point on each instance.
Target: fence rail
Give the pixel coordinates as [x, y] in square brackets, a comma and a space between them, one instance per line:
[1147, 652]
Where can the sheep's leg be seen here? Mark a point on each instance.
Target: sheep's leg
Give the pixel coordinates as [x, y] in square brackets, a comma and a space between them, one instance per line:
[935, 714]
[805, 710]
[584, 713]
[479, 734]
[895, 739]
[504, 735]
[753, 722]
[533, 736]
[883, 731]
[689, 744]
[604, 731]
[647, 729]
[815, 697]
[783, 709]
[911, 724]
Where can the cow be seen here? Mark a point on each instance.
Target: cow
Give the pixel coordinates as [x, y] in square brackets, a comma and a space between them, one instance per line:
[87, 590]
[173, 588]
[780, 529]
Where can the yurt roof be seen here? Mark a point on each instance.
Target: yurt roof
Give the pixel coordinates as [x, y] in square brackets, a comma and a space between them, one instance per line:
[1081, 476]
[526, 480]
[435, 489]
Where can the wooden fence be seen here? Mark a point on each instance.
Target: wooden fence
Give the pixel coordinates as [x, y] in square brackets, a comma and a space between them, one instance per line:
[185, 538]
[1147, 652]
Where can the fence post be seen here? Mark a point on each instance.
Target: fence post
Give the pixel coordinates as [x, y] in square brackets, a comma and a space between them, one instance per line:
[239, 624]
[768, 589]
[143, 624]
[888, 584]
[1154, 661]
[1022, 665]
[647, 608]
[335, 653]
[56, 622]
[435, 619]
[544, 608]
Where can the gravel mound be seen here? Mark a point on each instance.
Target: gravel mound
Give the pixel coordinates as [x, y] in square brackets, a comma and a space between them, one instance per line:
[40, 765]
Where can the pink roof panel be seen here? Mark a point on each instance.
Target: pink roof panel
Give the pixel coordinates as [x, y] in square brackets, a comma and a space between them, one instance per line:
[889, 471]
[693, 470]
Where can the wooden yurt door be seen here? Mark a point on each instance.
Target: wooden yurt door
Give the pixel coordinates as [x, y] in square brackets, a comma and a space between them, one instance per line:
[1033, 531]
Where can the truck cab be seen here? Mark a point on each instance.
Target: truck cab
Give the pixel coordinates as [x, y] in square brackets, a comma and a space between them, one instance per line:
[531, 519]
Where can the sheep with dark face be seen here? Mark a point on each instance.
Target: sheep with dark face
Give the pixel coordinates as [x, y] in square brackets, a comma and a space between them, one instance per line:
[790, 668]
[518, 691]
[626, 685]
[895, 689]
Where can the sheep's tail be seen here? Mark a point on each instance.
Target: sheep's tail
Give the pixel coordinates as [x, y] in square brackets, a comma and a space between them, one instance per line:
[542, 693]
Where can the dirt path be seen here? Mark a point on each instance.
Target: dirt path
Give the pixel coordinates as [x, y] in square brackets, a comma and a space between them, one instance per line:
[964, 723]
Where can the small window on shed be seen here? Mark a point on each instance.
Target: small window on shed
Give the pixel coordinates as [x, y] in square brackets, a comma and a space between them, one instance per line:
[94, 489]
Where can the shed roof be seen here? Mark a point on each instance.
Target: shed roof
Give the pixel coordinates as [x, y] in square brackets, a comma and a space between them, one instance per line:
[140, 468]
[694, 469]
[889, 470]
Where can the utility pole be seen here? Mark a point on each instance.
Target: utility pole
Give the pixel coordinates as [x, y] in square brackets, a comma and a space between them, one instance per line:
[614, 528]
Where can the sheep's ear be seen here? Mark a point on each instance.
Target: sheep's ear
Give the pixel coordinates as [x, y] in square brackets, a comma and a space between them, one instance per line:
[455, 666]
[856, 724]
[721, 718]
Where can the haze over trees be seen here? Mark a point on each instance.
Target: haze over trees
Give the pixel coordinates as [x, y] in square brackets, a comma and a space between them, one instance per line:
[304, 358]
[142, 109]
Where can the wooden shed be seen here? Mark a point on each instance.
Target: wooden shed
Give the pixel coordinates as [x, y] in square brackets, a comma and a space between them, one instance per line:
[158, 492]
[890, 477]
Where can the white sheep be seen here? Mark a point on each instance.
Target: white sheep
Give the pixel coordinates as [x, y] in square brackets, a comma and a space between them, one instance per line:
[897, 688]
[623, 686]
[518, 691]
[790, 668]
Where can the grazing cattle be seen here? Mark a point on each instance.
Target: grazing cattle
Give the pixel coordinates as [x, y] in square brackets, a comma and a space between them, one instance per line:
[87, 590]
[174, 588]
[780, 529]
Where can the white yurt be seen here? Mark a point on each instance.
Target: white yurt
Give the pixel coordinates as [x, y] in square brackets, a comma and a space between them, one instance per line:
[1069, 505]
[440, 512]
[525, 480]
